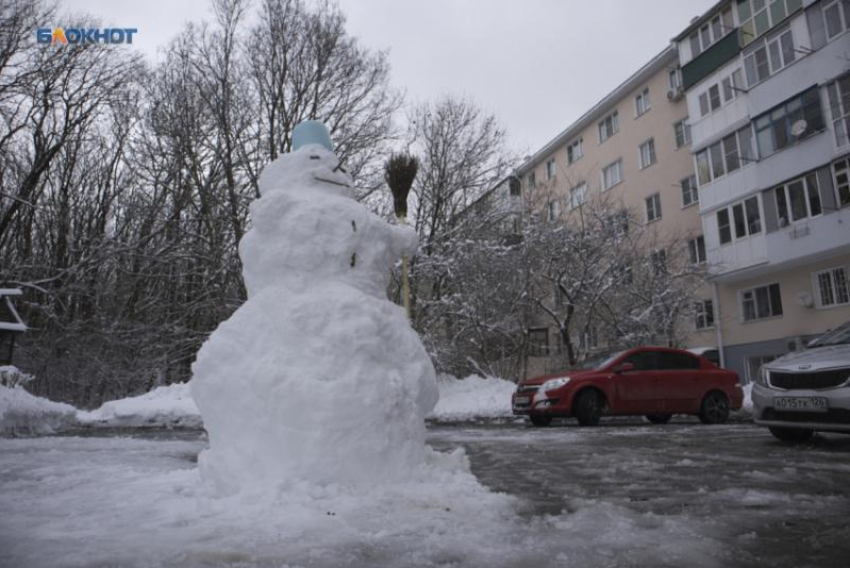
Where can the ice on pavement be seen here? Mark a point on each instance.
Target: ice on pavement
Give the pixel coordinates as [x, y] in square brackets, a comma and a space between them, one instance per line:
[23, 413]
[95, 502]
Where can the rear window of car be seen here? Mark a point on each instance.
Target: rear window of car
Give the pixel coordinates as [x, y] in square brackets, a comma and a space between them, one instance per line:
[642, 360]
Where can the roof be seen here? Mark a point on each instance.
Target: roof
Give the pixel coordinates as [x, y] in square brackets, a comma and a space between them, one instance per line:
[700, 20]
[600, 109]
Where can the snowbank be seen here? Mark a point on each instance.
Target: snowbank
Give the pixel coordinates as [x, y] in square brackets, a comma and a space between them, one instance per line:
[472, 398]
[164, 406]
[23, 413]
[746, 411]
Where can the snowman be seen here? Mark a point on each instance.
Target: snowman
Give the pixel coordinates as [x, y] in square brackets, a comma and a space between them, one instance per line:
[317, 377]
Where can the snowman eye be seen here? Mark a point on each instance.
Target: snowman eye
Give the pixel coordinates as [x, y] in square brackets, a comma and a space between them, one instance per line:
[315, 157]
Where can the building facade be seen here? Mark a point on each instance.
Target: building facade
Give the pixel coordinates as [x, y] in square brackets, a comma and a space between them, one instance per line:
[633, 150]
[767, 86]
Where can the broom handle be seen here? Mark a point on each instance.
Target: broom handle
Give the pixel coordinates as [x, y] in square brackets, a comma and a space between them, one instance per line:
[405, 284]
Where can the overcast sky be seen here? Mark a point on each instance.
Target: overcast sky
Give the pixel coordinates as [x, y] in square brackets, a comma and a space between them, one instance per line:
[536, 64]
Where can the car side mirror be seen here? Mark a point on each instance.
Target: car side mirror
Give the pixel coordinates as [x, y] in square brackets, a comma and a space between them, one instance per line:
[624, 368]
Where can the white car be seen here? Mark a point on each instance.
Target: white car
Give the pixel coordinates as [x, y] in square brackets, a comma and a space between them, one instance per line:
[807, 391]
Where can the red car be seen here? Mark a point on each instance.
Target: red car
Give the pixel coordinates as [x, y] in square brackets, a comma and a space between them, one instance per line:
[652, 381]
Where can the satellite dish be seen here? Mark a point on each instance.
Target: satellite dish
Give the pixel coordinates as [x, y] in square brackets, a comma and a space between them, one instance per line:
[798, 128]
[804, 299]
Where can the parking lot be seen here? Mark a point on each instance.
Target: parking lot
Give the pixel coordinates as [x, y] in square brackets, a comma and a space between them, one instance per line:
[765, 503]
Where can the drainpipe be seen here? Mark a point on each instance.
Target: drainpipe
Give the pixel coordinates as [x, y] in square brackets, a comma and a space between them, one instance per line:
[718, 324]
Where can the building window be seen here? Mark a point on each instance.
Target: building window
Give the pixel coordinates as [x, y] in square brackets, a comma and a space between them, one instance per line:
[552, 210]
[575, 151]
[609, 126]
[646, 154]
[798, 200]
[789, 122]
[724, 228]
[550, 169]
[758, 16]
[837, 17]
[538, 342]
[747, 218]
[839, 106]
[696, 250]
[618, 221]
[653, 208]
[705, 314]
[658, 261]
[712, 31]
[587, 340]
[642, 102]
[730, 86]
[841, 175]
[612, 175]
[530, 181]
[725, 156]
[578, 195]
[762, 302]
[769, 57]
[682, 131]
[690, 193]
[831, 287]
[674, 80]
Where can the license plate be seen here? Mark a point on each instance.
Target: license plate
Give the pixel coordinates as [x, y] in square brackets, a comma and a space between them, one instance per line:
[801, 403]
[522, 399]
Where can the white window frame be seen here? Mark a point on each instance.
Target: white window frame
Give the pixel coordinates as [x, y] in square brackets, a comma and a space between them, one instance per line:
[748, 221]
[689, 187]
[615, 165]
[839, 111]
[646, 154]
[550, 169]
[840, 295]
[612, 121]
[575, 151]
[578, 195]
[721, 148]
[777, 54]
[748, 36]
[653, 207]
[697, 255]
[704, 313]
[842, 18]
[841, 181]
[552, 210]
[741, 299]
[685, 128]
[807, 194]
[642, 103]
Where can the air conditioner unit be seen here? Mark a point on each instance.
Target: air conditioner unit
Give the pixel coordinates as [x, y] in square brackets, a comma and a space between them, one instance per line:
[674, 94]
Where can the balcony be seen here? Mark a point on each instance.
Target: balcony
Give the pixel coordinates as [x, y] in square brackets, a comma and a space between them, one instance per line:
[709, 60]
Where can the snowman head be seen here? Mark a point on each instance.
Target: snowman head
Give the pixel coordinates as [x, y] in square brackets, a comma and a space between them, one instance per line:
[310, 168]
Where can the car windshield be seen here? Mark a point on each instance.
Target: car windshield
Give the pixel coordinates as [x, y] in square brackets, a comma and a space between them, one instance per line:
[600, 362]
[838, 336]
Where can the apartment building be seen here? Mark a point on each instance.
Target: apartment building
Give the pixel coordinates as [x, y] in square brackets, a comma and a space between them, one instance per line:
[632, 148]
[767, 86]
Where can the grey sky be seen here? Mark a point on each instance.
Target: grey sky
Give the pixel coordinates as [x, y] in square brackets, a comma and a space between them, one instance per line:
[536, 64]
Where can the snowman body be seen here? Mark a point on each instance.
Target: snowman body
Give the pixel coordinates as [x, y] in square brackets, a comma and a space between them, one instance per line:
[318, 376]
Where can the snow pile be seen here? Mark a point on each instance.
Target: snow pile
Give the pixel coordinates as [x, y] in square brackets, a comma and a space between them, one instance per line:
[318, 376]
[23, 413]
[746, 410]
[472, 398]
[164, 406]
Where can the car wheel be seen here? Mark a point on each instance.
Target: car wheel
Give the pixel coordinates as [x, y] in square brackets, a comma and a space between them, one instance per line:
[791, 434]
[588, 408]
[659, 418]
[540, 420]
[714, 408]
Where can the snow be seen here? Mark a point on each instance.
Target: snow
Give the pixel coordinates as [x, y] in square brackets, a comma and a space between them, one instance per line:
[23, 413]
[317, 377]
[167, 406]
[473, 398]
